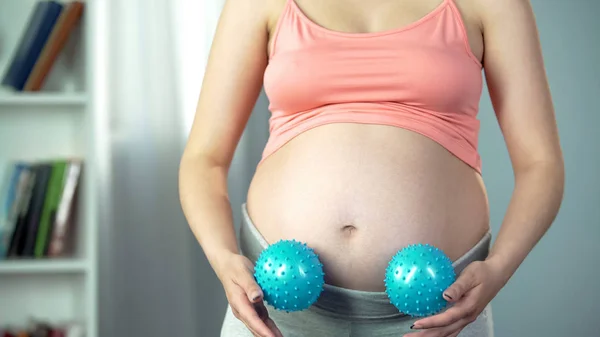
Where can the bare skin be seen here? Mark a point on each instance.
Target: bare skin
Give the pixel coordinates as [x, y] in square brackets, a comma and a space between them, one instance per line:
[371, 189]
[393, 187]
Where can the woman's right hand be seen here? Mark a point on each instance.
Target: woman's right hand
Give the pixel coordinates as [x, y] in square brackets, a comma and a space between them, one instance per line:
[245, 296]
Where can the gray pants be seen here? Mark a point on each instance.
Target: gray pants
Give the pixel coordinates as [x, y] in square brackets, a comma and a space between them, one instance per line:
[341, 312]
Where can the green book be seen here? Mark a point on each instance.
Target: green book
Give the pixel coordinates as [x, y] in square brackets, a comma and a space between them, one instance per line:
[55, 186]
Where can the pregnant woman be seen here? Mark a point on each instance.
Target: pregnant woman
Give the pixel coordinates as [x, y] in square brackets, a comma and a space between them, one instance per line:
[373, 146]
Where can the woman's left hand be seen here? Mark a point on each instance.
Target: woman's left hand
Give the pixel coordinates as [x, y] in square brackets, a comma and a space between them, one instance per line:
[474, 288]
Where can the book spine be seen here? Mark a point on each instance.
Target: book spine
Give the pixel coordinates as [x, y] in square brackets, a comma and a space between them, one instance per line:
[9, 192]
[56, 41]
[12, 72]
[19, 231]
[33, 40]
[50, 205]
[15, 209]
[57, 243]
[7, 198]
[35, 211]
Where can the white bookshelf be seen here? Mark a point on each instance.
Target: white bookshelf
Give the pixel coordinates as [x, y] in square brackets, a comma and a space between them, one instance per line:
[57, 122]
[42, 99]
[30, 267]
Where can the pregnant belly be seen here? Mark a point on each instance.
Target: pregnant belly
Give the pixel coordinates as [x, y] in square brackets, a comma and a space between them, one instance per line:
[359, 193]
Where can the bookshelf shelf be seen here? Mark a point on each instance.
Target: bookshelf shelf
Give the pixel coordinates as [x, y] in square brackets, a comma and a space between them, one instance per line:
[58, 121]
[42, 266]
[43, 99]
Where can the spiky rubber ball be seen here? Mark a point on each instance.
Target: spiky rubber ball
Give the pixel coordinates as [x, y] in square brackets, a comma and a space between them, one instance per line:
[416, 278]
[290, 275]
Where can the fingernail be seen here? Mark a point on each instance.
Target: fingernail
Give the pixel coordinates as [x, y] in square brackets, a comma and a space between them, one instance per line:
[256, 295]
[412, 326]
[447, 296]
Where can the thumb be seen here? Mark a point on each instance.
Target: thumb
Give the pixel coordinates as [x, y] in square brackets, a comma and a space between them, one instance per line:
[464, 283]
[245, 279]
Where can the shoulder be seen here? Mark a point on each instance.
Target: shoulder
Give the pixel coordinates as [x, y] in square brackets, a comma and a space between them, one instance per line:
[491, 17]
[255, 9]
[250, 14]
[483, 10]
[268, 11]
[491, 11]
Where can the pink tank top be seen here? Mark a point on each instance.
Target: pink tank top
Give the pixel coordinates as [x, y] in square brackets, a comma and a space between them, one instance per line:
[421, 77]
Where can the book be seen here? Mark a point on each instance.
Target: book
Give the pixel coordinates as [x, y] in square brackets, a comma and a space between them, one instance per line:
[65, 24]
[8, 194]
[40, 220]
[42, 328]
[55, 187]
[38, 29]
[17, 237]
[58, 245]
[13, 208]
[42, 177]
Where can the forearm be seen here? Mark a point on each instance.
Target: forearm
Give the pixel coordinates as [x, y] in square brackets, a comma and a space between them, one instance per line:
[205, 203]
[533, 207]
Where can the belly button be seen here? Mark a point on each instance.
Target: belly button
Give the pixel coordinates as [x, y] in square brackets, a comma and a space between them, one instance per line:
[348, 229]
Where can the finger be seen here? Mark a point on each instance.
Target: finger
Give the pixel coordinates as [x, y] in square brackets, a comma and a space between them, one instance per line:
[249, 316]
[271, 324]
[457, 312]
[247, 282]
[465, 282]
[239, 317]
[455, 334]
[451, 330]
[263, 313]
[261, 310]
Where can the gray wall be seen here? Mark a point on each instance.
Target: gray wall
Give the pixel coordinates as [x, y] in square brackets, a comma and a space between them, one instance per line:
[554, 293]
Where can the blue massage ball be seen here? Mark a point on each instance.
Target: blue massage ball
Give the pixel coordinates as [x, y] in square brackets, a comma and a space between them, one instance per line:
[416, 278]
[290, 275]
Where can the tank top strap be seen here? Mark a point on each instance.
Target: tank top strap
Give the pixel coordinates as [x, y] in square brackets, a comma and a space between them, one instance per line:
[451, 4]
[284, 18]
[461, 26]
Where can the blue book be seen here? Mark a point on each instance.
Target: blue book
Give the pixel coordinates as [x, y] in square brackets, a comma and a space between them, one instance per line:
[11, 193]
[32, 42]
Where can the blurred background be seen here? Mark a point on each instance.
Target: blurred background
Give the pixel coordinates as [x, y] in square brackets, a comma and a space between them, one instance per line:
[96, 102]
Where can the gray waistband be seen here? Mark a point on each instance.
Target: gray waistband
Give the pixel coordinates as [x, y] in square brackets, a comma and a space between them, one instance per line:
[349, 303]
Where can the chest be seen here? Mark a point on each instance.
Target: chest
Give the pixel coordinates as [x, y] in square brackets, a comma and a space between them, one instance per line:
[354, 16]
[405, 70]
[373, 16]
[424, 64]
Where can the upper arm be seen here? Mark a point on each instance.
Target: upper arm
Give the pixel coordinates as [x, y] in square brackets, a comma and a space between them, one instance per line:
[517, 82]
[232, 81]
